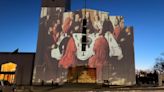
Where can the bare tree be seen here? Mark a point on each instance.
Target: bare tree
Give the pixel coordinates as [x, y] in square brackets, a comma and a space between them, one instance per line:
[159, 65]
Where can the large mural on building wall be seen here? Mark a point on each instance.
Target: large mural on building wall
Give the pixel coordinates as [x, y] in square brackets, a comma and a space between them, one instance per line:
[60, 45]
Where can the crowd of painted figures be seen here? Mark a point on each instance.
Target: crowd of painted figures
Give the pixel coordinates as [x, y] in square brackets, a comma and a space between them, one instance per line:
[62, 38]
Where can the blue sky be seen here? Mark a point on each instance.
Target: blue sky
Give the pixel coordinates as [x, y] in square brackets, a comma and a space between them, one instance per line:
[19, 24]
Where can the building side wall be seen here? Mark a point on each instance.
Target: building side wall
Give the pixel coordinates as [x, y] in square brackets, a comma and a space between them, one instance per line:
[24, 68]
[110, 52]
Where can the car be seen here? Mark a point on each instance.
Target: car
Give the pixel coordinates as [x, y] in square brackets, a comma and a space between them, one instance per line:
[5, 86]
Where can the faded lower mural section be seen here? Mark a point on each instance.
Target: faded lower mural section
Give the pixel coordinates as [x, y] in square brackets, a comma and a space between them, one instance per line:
[109, 53]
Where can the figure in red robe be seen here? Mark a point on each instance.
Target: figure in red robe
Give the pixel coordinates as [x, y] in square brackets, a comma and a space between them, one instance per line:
[69, 58]
[119, 26]
[101, 49]
[67, 25]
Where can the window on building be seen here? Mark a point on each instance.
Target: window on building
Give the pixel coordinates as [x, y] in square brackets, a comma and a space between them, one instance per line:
[8, 72]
